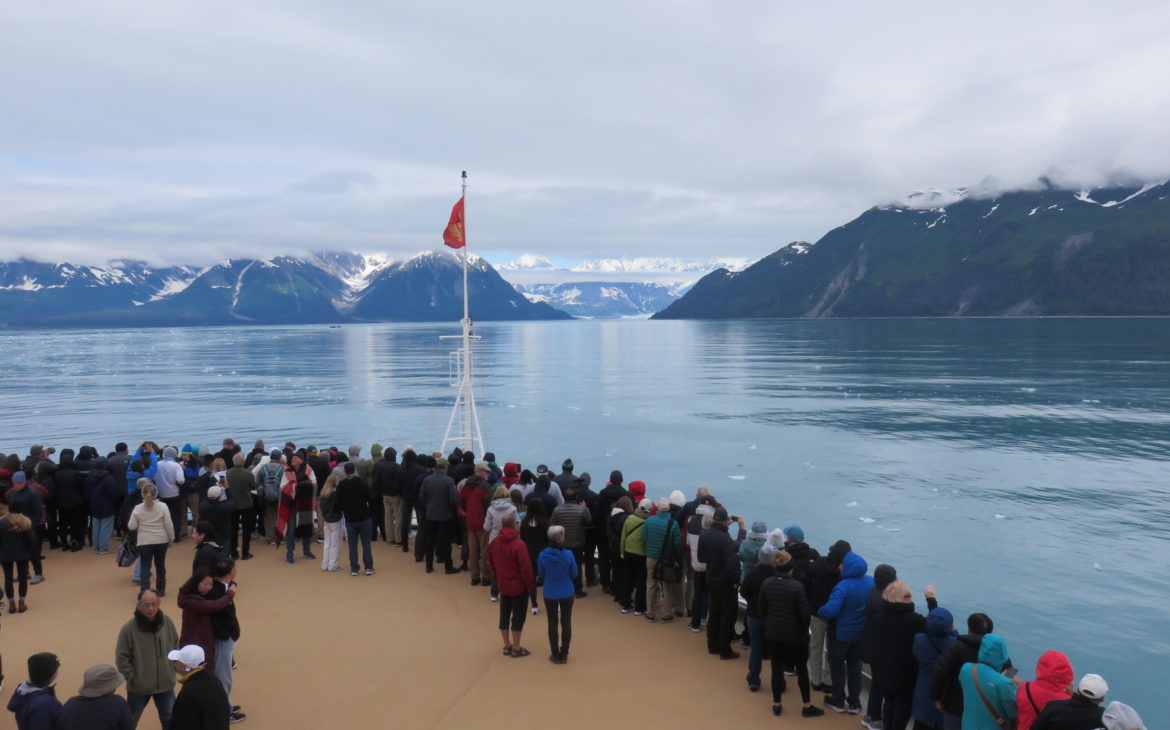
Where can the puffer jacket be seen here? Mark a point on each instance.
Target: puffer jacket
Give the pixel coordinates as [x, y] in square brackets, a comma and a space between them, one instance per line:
[575, 518]
[557, 568]
[998, 689]
[846, 603]
[783, 604]
[883, 575]
[928, 646]
[894, 629]
[36, 708]
[101, 490]
[1054, 674]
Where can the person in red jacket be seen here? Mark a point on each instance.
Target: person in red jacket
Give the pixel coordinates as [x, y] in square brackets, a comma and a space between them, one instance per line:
[474, 499]
[1054, 681]
[509, 563]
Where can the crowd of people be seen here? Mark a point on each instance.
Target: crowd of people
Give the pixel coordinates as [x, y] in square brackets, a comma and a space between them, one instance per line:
[818, 618]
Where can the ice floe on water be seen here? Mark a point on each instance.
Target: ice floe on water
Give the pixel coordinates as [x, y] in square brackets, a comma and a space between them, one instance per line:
[893, 529]
[1000, 517]
[736, 477]
[1090, 401]
[852, 504]
[867, 520]
[753, 447]
[1096, 566]
[1028, 390]
[809, 465]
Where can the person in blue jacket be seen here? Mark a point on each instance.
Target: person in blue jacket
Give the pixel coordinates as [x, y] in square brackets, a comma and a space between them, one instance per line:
[928, 646]
[846, 606]
[557, 568]
[985, 679]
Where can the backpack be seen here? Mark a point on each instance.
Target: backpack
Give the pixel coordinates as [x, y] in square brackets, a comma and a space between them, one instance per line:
[270, 482]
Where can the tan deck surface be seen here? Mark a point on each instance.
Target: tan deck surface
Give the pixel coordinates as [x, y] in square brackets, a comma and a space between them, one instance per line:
[402, 649]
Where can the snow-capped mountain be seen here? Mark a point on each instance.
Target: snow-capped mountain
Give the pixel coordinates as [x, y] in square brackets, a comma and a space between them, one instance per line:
[323, 287]
[605, 299]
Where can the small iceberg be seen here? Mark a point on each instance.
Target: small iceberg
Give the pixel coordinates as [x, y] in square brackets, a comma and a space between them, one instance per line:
[893, 529]
[1028, 390]
[737, 477]
[866, 520]
[1001, 517]
[852, 504]
[753, 447]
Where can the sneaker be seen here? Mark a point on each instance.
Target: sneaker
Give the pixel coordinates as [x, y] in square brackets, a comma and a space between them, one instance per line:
[835, 707]
[289, 558]
[854, 708]
[369, 571]
[353, 573]
[651, 619]
[872, 723]
[638, 613]
[535, 611]
[777, 710]
[234, 667]
[811, 711]
[694, 628]
[321, 540]
[310, 556]
[335, 567]
[236, 717]
[235, 708]
[625, 610]
[36, 579]
[494, 598]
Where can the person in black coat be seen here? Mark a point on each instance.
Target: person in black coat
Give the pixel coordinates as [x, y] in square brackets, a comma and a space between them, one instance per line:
[208, 551]
[783, 604]
[96, 707]
[1082, 711]
[70, 501]
[404, 480]
[218, 511]
[202, 703]
[892, 662]
[883, 575]
[719, 551]
[386, 489]
[606, 559]
[945, 690]
[101, 491]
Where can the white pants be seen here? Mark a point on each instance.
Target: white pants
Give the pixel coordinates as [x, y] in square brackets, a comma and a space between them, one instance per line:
[332, 545]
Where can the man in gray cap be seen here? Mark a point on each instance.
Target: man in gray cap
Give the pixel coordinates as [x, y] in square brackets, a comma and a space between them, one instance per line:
[96, 707]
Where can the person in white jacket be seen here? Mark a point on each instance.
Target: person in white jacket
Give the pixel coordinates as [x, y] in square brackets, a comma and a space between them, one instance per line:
[156, 532]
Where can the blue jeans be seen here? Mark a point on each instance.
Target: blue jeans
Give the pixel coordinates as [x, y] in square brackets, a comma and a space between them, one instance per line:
[164, 702]
[224, 648]
[103, 527]
[364, 529]
[158, 554]
[845, 658]
[700, 601]
[755, 627]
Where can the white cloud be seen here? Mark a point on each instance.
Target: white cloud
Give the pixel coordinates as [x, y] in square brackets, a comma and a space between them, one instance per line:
[189, 131]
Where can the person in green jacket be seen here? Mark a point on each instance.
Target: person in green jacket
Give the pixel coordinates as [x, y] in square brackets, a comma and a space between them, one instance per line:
[242, 487]
[633, 551]
[141, 656]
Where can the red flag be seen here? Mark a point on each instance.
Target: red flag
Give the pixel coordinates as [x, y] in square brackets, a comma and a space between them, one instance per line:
[453, 235]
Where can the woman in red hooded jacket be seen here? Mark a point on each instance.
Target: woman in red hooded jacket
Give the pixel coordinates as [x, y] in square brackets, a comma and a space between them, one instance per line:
[512, 568]
[1054, 678]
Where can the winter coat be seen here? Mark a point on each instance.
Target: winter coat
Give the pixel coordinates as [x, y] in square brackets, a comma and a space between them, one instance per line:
[101, 491]
[202, 703]
[894, 627]
[141, 656]
[1075, 713]
[197, 628]
[749, 553]
[718, 551]
[633, 538]
[883, 575]
[219, 514]
[846, 603]
[534, 533]
[749, 588]
[36, 708]
[944, 681]
[511, 473]
[823, 576]
[928, 646]
[1054, 674]
[69, 482]
[241, 485]
[510, 564]
[474, 499]
[154, 523]
[107, 712]
[783, 604]
[354, 498]
[438, 497]
[557, 569]
[575, 518]
[17, 546]
[999, 690]
[543, 491]
[606, 499]
[803, 559]
[26, 502]
[407, 477]
[661, 527]
[493, 519]
[133, 476]
[384, 475]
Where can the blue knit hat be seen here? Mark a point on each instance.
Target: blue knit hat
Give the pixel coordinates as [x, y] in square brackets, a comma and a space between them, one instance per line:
[19, 478]
[794, 533]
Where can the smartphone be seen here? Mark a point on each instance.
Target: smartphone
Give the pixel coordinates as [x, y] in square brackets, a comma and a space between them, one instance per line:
[1010, 672]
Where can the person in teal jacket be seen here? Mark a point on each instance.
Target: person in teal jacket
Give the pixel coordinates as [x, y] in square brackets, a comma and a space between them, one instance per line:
[999, 690]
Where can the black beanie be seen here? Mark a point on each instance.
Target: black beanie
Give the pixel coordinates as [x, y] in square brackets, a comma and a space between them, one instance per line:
[567, 466]
[41, 668]
[615, 477]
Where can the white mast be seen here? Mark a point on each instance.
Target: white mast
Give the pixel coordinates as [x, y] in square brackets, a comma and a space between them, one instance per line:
[463, 425]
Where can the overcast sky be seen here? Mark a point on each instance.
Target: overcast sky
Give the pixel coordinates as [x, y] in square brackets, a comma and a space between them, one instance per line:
[187, 132]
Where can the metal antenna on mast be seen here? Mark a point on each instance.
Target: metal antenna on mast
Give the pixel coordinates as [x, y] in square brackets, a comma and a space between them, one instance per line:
[463, 425]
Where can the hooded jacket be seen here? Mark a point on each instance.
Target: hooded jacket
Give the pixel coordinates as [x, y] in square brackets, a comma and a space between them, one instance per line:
[998, 689]
[823, 576]
[883, 575]
[511, 473]
[783, 604]
[846, 603]
[384, 474]
[508, 558]
[557, 568]
[408, 473]
[101, 490]
[474, 499]
[717, 549]
[928, 646]
[493, 519]
[944, 681]
[1054, 674]
[69, 483]
[36, 708]
[894, 627]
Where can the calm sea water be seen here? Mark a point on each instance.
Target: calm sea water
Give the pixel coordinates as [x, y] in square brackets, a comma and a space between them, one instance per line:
[1021, 466]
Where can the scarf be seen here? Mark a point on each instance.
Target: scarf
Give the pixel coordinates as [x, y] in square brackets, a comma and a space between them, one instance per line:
[148, 625]
[296, 503]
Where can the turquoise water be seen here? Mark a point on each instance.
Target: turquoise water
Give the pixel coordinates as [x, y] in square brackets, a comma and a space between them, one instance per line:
[1019, 465]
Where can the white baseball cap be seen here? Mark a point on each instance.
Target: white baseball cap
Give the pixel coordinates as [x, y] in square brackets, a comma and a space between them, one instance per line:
[1093, 686]
[191, 655]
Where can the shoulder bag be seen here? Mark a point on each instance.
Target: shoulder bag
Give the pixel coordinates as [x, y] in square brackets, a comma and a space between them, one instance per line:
[999, 719]
[667, 570]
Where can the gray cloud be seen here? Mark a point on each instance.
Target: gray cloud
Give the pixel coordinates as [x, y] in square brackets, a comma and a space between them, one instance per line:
[193, 131]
